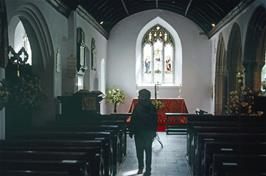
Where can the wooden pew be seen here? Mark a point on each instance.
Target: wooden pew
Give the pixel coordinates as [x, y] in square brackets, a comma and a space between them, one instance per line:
[43, 156]
[93, 149]
[204, 137]
[219, 129]
[118, 132]
[34, 173]
[121, 120]
[73, 167]
[179, 128]
[110, 143]
[216, 122]
[211, 148]
[222, 121]
[117, 128]
[238, 165]
[116, 121]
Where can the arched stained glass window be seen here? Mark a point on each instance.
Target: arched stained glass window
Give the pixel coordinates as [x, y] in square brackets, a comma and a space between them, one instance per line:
[158, 56]
[21, 40]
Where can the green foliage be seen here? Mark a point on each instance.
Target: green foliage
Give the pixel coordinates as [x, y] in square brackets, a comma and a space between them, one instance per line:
[158, 104]
[24, 88]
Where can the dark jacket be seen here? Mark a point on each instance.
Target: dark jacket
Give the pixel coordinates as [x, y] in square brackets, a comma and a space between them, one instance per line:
[144, 119]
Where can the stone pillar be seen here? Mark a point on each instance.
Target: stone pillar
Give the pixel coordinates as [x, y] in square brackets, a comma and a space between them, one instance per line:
[253, 74]
[219, 90]
[2, 112]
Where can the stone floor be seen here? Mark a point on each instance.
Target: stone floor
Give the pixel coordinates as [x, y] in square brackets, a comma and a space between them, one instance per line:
[167, 161]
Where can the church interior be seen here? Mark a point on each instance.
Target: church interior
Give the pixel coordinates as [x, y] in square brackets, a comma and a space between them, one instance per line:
[65, 105]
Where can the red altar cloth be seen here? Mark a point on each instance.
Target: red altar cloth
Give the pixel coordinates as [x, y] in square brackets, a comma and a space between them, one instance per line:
[169, 105]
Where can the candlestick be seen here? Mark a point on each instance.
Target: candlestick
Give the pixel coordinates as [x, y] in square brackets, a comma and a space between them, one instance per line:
[179, 91]
[155, 91]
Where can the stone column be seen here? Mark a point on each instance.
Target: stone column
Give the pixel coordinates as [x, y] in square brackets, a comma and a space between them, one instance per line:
[253, 74]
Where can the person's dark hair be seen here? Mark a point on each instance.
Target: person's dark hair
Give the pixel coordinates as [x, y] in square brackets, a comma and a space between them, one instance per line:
[144, 94]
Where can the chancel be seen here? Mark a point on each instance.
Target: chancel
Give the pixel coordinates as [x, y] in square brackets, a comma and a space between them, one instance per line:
[70, 72]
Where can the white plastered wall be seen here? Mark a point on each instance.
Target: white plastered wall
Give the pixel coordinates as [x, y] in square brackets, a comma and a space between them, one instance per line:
[196, 63]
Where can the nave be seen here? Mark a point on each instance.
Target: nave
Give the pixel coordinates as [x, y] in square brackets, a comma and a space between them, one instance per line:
[167, 161]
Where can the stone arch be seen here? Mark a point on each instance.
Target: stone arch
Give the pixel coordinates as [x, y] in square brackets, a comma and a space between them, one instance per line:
[220, 76]
[255, 47]
[234, 57]
[42, 51]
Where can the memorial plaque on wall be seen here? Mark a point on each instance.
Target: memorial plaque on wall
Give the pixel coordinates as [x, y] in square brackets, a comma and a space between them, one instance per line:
[71, 66]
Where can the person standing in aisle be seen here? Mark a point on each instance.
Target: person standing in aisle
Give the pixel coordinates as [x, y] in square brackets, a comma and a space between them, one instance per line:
[143, 126]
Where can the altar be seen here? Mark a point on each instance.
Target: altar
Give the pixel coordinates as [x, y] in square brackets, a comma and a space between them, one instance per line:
[170, 105]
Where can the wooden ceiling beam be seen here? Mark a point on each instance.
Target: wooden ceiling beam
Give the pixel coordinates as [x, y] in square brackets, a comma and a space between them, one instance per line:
[125, 7]
[188, 6]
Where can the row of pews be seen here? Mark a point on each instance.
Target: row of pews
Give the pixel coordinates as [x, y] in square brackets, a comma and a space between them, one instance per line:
[227, 145]
[66, 147]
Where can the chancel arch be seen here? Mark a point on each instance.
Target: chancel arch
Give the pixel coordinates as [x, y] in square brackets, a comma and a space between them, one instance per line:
[40, 40]
[233, 60]
[220, 76]
[166, 44]
[234, 56]
[255, 47]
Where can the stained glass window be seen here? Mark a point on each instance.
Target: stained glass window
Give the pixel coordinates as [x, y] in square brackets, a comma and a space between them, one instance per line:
[158, 56]
[21, 40]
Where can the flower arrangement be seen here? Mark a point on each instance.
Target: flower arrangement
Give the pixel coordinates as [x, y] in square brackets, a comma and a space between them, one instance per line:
[4, 94]
[241, 100]
[157, 103]
[115, 96]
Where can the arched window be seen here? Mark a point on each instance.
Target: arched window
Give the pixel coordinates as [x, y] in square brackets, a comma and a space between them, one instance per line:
[21, 40]
[158, 57]
[263, 73]
[81, 58]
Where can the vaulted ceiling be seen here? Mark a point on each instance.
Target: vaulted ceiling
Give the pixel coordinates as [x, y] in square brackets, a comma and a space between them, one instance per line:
[205, 13]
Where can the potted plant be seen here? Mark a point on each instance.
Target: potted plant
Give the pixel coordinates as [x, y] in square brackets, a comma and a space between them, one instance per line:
[115, 96]
[158, 104]
[26, 93]
[25, 96]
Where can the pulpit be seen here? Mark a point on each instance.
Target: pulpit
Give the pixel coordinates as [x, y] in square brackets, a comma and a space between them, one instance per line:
[83, 104]
[260, 104]
[170, 105]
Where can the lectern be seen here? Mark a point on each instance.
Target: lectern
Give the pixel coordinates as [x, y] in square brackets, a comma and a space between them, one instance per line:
[82, 104]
